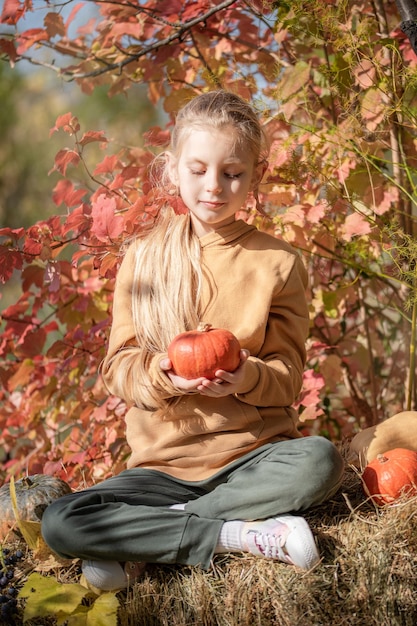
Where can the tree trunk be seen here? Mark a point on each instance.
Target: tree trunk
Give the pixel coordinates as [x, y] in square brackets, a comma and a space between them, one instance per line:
[408, 12]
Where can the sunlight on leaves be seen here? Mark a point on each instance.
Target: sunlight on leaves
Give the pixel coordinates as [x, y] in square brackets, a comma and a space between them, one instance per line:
[104, 611]
[69, 603]
[46, 596]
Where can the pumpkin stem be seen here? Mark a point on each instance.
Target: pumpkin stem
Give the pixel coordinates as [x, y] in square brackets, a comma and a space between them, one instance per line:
[203, 327]
[381, 458]
[27, 481]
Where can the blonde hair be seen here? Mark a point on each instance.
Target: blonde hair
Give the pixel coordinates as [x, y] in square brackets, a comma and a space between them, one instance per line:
[220, 109]
[168, 273]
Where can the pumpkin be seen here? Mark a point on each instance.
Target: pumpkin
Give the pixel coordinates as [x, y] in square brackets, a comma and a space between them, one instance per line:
[398, 431]
[391, 475]
[202, 352]
[33, 495]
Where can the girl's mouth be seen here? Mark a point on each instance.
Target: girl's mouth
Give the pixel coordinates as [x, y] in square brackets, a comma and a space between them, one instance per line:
[211, 204]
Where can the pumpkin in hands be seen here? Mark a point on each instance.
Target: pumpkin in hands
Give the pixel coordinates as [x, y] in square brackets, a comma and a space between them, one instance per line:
[33, 495]
[202, 352]
[390, 476]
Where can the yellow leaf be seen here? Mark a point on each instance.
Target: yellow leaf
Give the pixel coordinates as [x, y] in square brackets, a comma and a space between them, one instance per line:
[45, 596]
[293, 79]
[373, 107]
[78, 618]
[31, 531]
[104, 611]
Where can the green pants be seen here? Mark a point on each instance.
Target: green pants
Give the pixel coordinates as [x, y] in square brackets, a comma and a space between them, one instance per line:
[128, 517]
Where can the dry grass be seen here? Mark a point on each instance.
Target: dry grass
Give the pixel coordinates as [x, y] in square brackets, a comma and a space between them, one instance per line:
[367, 577]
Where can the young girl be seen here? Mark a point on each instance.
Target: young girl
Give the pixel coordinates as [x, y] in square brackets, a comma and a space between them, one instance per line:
[216, 465]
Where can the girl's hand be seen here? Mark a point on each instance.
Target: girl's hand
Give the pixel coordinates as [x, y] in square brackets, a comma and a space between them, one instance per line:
[178, 381]
[224, 384]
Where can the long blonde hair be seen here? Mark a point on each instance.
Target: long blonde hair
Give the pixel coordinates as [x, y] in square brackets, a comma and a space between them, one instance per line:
[168, 274]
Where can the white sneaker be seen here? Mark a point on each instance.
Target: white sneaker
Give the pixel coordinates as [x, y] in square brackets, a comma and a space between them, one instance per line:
[286, 538]
[111, 575]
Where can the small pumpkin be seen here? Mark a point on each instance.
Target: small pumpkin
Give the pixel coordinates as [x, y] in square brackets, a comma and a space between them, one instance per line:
[202, 352]
[391, 475]
[33, 494]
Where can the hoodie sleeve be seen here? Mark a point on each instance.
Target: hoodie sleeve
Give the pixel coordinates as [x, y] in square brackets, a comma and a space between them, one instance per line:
[274, 375]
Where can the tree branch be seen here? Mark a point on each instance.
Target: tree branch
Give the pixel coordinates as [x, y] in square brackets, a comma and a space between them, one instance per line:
[177, 35]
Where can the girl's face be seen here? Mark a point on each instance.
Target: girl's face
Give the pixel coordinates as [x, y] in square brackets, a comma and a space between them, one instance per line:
[214, 177]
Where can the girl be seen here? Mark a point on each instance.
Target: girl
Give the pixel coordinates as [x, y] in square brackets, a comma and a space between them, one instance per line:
[216, 465]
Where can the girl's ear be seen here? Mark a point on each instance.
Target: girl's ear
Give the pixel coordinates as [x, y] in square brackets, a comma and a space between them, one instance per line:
[172, 168]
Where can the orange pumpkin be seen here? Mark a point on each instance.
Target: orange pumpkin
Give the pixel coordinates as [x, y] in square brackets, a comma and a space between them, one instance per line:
[391, 475]
[203, 351]
[33, 495]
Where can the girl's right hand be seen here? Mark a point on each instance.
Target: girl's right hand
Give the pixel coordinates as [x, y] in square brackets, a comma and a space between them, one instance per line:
[180, 383]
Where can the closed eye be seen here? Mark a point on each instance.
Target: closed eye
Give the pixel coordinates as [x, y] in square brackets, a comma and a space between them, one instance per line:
[233, 175]
[226, 174]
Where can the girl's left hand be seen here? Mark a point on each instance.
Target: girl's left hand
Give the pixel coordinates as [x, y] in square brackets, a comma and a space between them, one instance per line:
[225, 383]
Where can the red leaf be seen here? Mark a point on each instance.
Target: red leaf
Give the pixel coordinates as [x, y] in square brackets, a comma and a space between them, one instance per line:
[51, 327]
[32, 275]
[178, 205]
[54, 468]
[193, 10]
[78, 221]
[8, 48]
[316, 213]
[14, 233]
[355, 224]
[88, 28]
[54, 24]
[10, 260]
[109, 265]
[64, 158]
[68, 122]
[311, 412]
[106, 225]
[135, 214]
[157, 136]
[74, 12]
[32, 247]
[32, 341]
[12, 312]
[30, 37]
[312, 380]
[12, 11]
[65, 193]
[92, 136]
[79, 458]
[309, 397]
[364, 73]
[129, 173]
[108, 165]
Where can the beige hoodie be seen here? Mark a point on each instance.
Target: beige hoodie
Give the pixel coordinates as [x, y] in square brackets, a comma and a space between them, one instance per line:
[254, 285]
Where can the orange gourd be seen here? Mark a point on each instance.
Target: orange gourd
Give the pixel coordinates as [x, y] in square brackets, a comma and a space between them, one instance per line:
[202, 352]
[391, 475]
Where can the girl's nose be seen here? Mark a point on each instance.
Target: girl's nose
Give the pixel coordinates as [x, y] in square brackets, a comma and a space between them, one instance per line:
[213, 183]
